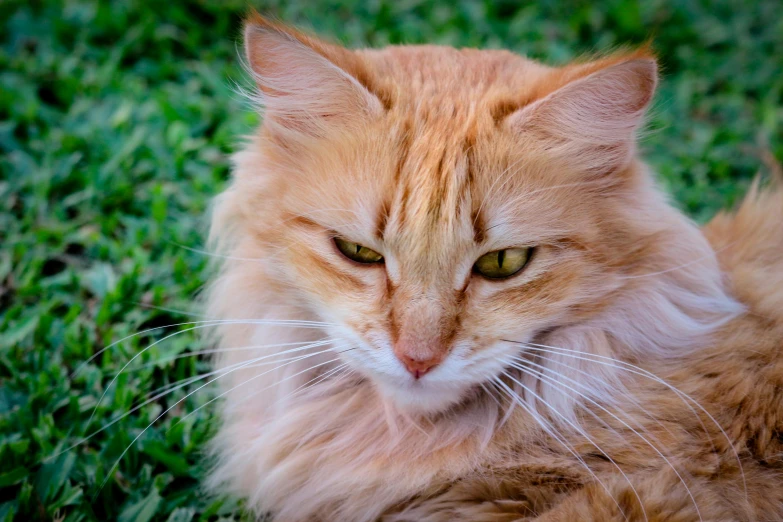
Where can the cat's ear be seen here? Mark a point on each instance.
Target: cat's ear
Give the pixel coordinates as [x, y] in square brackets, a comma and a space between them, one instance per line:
[306, 86]
[591, 120]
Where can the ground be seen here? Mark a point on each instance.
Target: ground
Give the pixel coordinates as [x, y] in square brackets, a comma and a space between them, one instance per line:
[116, 119]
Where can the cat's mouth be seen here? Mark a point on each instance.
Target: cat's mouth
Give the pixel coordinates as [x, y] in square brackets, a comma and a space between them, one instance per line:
[424, 394]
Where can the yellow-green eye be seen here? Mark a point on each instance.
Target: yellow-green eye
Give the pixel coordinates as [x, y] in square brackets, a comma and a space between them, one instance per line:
[356, 252]
[502, 263]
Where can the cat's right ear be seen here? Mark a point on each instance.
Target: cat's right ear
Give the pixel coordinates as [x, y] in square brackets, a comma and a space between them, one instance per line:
[307, 87]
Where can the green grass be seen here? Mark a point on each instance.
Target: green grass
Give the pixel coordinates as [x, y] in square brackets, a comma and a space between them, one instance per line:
[116, 119]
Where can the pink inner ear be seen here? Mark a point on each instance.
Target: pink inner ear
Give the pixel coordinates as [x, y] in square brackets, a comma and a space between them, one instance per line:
[301, 90]
[594, 118]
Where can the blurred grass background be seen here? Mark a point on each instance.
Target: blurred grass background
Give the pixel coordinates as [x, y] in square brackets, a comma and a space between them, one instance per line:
[116, 119]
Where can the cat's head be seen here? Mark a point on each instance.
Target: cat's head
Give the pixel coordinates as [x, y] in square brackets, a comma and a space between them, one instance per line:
[435, 204]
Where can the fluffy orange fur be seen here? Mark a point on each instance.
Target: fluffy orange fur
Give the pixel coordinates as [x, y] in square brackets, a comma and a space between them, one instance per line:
[631, 371]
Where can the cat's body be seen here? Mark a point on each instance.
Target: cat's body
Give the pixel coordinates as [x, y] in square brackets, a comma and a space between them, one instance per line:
[444, 395]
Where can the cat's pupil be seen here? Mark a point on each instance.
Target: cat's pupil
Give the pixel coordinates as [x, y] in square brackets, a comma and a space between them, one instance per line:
[358, 248]
[501, 257]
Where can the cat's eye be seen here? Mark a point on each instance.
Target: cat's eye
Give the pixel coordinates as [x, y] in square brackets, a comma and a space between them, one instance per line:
[501, 264]
[357, 252]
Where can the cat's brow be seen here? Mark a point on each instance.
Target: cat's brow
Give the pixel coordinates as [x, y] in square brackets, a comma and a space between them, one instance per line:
[442, 182]
[479, 230]
[382, 220]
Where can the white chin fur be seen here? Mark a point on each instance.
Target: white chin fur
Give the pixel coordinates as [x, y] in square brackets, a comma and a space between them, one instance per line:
[419, 396]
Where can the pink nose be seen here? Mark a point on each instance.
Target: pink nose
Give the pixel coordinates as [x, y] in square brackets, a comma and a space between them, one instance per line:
[418, 367]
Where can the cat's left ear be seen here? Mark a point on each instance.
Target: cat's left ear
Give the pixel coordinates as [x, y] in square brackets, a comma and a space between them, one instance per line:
[307, 87]
[591, 113]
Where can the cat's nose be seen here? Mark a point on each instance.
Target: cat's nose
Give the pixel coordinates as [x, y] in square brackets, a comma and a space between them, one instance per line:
[418, 367]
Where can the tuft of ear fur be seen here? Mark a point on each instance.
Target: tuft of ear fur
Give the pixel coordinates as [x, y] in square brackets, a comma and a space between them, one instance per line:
[591, 120]
[306, 85]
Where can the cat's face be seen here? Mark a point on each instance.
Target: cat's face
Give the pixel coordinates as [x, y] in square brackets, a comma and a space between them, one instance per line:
[436, 219]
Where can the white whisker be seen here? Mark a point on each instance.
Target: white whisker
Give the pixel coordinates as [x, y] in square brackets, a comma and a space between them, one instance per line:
[208, 322]
[256, 359]
[636, 370]
[160, 392]
[628, 397]
[316, 380]
[581, 432]
[194, 353]
[556, 383]
[111, 470]
[220, 256]
[267, 387]
[299, 324]
[548, 428]
[169, 310]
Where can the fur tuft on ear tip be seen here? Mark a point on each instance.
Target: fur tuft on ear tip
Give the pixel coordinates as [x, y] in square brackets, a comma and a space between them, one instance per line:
[253, 17]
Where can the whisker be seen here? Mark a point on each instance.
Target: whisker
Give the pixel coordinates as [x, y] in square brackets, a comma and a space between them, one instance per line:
[215, 254]
[160, 393]
[276, 354]
[244, 399]
[316, 380]
[503, 419]
[549, 428]
[223, 350]
[556, 383]
[491, 395]
[267, 387]
[169, 310]
[114, 466]
[302, 324]
[319, 379]
[581, 432]
[189, 380]
[209, 322]
[636, 370]
[628, 397]
[616, 363]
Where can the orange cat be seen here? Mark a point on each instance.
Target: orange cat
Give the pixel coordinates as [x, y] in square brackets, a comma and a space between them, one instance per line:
[454, 292]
